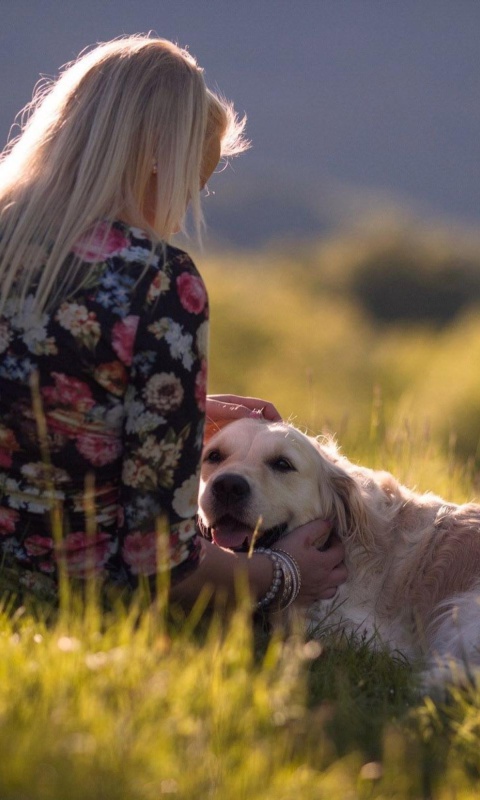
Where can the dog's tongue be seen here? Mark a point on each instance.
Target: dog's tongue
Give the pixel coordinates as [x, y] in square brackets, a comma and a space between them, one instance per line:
[231, 534]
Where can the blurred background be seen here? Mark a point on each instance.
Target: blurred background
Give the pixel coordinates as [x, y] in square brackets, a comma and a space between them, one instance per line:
[343, 253]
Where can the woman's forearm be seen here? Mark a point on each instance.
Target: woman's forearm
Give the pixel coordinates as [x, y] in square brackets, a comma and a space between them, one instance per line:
[223, 574]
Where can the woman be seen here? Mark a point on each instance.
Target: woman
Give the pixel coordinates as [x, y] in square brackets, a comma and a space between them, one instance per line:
[103, 336]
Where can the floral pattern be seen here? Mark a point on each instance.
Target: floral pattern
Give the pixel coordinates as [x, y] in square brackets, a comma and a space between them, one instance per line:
[112, 434]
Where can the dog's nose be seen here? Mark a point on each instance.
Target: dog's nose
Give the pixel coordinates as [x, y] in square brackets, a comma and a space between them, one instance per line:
[230, 488]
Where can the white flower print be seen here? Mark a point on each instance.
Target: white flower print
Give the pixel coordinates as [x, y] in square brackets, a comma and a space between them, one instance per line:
[202, 340]
[185, 498]
[156, 451]
[138, 233]
[143, 423]
[25, 318]
[139, 476]
[180, 343]
[186, 530]
[161, 283]
[5, 336]
[164, 392]
[38, 472]
[81, 323]
[139, 254]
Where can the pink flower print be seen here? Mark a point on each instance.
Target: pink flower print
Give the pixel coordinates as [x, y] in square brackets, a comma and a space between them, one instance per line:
[123, 338]
[38, 545]
[113, 377]
[98, 448]
[99, 243]
[68, 392]
[201, 387]
[140, 552]
[8, 520]
[63, 423]
[46, 566]
[8, 445]
[178, 550]
[6, 459]
[192, 292]
[85, 555]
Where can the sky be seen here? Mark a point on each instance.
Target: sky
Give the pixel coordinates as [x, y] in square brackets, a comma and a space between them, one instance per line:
[348, 101]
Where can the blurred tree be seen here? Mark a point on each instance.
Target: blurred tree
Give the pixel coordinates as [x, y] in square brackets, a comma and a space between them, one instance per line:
[403, 283]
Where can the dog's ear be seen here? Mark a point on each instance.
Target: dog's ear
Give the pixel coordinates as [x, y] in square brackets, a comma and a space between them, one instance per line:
[342, 495]
[351, 510]
[212, 427]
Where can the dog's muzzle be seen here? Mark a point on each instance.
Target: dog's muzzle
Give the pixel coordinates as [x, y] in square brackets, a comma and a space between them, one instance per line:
[231, 493]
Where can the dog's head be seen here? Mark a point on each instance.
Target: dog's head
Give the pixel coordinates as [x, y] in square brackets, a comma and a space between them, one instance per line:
[271, 478]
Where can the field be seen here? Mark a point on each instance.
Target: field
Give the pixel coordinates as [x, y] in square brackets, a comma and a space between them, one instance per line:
[359, 335]
[137, 705]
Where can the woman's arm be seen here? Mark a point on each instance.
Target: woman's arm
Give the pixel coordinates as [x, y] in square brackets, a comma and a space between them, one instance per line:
[221, 571]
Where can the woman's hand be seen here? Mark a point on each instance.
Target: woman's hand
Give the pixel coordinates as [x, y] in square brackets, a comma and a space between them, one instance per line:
[223, 408]
[322, 571]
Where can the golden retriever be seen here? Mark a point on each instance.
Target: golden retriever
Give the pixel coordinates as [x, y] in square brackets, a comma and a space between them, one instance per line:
[413, 560]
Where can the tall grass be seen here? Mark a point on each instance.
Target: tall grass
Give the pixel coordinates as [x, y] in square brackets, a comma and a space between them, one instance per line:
[123, 706]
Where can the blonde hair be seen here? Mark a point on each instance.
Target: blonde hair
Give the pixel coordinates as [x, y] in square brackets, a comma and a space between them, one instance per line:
[87, 151]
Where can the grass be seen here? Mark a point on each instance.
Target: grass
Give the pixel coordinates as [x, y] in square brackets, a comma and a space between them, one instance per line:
[131, 705]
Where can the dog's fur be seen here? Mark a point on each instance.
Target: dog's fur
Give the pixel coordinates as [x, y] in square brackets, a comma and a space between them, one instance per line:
[413, 560]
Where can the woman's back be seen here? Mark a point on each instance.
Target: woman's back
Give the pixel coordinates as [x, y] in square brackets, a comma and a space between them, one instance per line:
[113, 369]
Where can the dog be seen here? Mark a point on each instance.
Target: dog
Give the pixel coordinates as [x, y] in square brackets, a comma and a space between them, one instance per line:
[413, 559]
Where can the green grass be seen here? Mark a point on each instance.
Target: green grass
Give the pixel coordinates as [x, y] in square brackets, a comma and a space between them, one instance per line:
[127, 705]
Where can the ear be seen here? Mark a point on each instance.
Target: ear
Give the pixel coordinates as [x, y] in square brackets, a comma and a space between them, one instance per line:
[351, 509]
[212, 427]
[342, 494]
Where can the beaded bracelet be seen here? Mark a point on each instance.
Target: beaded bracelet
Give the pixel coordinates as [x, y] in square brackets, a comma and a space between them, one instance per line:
[277, 578]
[285, 567]
[293, 584]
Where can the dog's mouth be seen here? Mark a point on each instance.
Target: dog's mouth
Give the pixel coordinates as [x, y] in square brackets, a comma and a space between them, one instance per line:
[234, 534]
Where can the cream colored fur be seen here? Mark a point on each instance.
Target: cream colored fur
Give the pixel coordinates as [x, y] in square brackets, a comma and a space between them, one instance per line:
[413, 559]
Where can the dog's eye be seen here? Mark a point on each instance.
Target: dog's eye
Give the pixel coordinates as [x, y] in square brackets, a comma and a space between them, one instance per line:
[213, 457]
[282, 465]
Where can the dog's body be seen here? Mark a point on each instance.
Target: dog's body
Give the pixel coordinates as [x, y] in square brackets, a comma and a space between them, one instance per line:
[413, 560]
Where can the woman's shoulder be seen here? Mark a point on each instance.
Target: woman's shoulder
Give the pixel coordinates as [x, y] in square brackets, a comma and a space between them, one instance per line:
[118, 240]
[139, 237]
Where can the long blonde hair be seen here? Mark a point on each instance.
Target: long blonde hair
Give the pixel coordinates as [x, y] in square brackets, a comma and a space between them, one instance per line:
[87, 150]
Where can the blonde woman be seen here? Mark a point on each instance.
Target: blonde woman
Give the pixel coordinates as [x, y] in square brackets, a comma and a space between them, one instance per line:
[103, 331]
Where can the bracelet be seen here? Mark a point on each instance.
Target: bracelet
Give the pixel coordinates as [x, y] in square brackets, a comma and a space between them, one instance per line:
[292, 583]
[276, 581]
[286, 568]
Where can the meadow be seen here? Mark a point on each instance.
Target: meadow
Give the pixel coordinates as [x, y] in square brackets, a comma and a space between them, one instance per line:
[136, 704]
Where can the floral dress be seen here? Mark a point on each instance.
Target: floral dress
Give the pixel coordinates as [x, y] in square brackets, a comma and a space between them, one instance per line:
[102, 405]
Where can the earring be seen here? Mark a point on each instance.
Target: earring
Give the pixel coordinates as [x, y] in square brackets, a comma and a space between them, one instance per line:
[154, 168]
